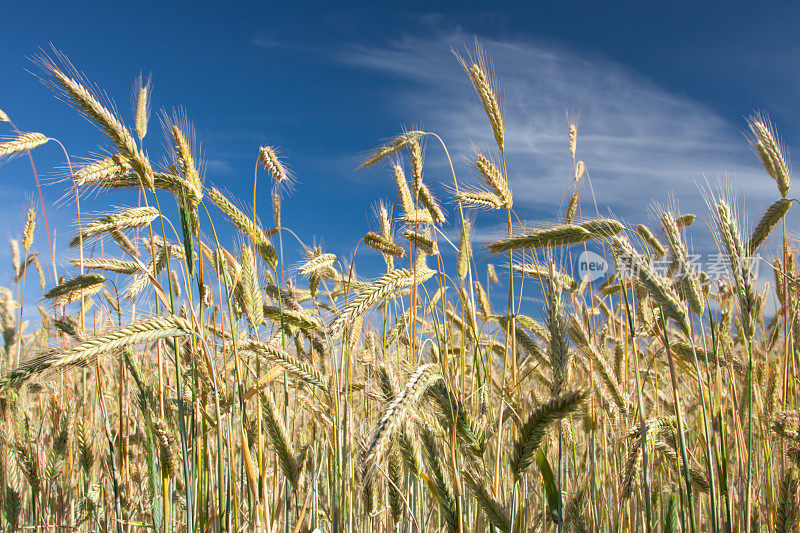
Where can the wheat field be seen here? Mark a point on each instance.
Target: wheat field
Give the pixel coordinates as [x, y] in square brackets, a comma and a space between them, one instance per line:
[174, 379]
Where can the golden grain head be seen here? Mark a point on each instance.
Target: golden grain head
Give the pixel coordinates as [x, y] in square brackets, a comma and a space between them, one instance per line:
[142, 97]
[268, 157]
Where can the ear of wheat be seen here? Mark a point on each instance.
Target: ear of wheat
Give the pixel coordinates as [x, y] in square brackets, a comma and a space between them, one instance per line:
[396, 411]
[393, 146]
[27, 141]
[532, 431]
[147, 330]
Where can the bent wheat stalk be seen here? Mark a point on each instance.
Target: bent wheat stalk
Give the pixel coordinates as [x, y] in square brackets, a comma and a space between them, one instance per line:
[85, 352]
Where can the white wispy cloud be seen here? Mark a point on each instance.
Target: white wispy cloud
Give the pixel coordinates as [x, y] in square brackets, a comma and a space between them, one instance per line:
[640, 142]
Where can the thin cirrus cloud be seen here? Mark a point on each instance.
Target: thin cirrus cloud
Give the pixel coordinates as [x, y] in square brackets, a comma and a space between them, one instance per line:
[640, 142]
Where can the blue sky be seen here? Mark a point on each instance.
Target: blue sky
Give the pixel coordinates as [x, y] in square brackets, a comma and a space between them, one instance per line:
[660, 92]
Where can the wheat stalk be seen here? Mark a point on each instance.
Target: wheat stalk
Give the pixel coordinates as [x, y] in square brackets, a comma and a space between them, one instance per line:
[73, 288]
[106, 119]
[253, 307]
[317, 263]
[383, 245]
[247, 226]
[533, 430]
[268, 157]
[132, 218]
[112, 265]
[440, 484]
[376, 293]
[486, 88]
[85, 352]
[26, 141]
[302, 370]
[656, 286]
[299, 319]
[771, 152]
[100, 170]
[280, 440]
[422, 241]
[431, 204]
[742, 273]
[392, 147]
[651, 240]
[771, 217]
[30, 227]
[185, 160]
[494, 510]
[559, 235]
[395, 413]
[495, 180]
[476, 197]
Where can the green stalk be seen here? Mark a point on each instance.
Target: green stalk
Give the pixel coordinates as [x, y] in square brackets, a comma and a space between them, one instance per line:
[640, 399]
[708, 451]
[679, 415]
